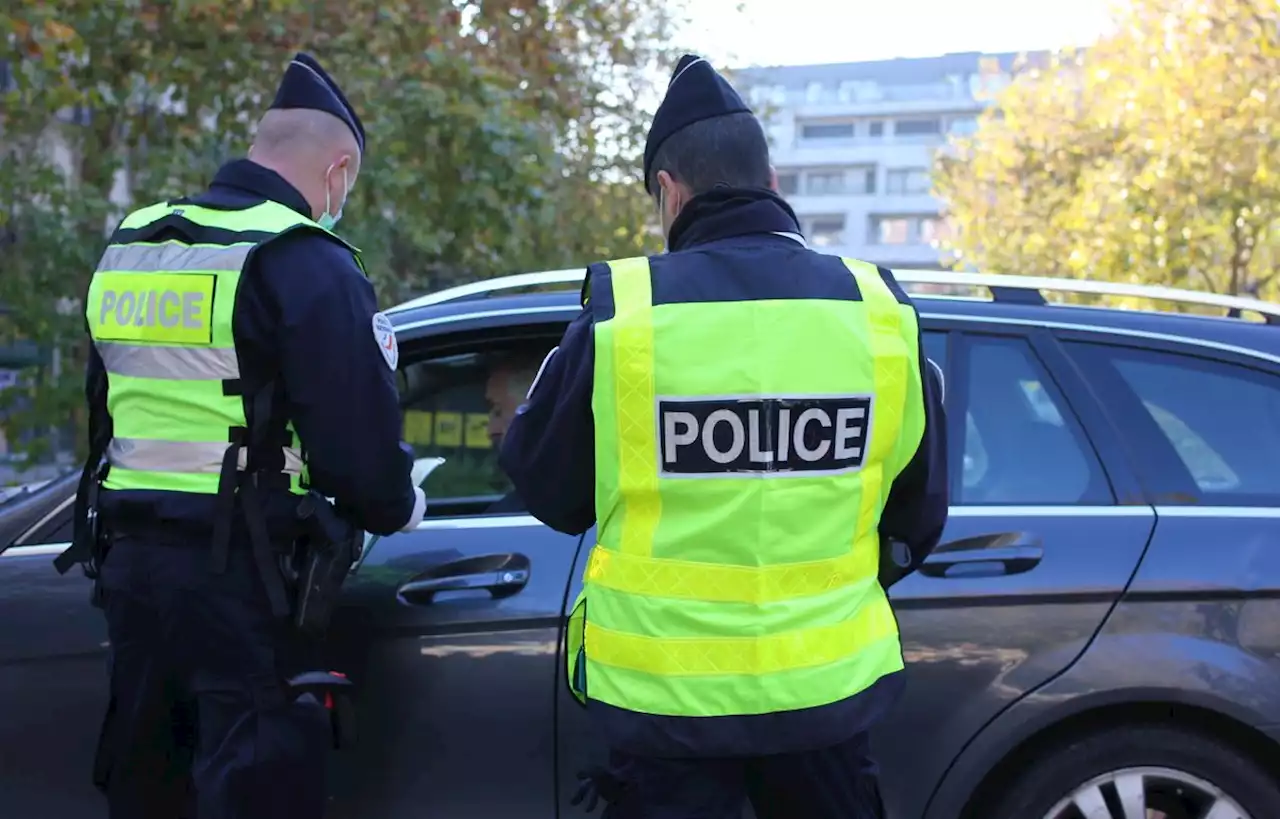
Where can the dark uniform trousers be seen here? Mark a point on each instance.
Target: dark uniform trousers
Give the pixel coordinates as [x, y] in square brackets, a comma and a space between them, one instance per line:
[839, 782]
[199, 722]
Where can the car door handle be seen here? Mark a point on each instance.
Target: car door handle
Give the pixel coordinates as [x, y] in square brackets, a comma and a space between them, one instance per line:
[501, 575]
[1003, 553]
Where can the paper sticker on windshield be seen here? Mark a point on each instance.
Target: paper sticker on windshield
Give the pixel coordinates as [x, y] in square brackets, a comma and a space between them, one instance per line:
[385, 335]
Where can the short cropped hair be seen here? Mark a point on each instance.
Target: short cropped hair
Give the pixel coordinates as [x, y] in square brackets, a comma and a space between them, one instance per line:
[520, 366]
[730, 150]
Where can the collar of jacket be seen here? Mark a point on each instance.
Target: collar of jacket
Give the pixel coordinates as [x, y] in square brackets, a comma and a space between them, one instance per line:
[242, 179]
[723, 213]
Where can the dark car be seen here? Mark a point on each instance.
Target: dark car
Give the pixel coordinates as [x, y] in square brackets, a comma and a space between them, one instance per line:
[1098, 636]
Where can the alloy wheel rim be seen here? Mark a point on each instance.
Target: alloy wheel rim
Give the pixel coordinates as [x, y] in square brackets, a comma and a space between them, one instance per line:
[1147, 793]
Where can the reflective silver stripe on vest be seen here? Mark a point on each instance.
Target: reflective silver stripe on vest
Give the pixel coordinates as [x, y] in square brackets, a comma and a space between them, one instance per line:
[173, 363]
[146, 455]
[166, 257]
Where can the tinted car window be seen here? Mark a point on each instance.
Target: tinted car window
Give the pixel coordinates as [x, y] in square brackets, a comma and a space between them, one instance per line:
[1022, 445]
[1221, 421]
[458, 407]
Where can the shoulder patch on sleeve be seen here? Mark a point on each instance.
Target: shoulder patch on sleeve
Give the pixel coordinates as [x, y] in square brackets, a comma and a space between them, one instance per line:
[385, 335]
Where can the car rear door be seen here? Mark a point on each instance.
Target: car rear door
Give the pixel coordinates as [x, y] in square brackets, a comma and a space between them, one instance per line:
[53, 673]
[451, 632]
[1202, 422]
[1046, 529]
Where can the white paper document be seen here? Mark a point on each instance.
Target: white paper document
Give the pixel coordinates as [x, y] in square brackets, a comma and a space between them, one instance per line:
[422, 469]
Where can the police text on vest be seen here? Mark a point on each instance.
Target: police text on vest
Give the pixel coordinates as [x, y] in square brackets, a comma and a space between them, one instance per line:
[163, 308]
[723, 437]
[146, 308]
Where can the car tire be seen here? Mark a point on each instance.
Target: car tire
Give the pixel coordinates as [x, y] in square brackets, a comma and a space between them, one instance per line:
[1168, 762]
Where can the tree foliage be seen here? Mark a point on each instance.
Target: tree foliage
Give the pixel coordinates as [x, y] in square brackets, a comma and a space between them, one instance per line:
[1151, 157]
[503, 135]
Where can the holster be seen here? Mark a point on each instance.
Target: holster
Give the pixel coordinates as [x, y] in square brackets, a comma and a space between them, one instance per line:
[89, 544]
[331, 545]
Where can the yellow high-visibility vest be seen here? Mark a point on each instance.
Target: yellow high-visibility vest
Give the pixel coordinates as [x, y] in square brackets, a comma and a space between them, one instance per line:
[738, 504]
[160, 316]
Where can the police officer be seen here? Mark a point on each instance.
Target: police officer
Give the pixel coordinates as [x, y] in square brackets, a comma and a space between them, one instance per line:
[238, 360]
[746, 421]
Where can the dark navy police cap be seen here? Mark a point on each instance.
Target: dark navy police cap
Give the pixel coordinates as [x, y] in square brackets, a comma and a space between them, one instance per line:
[696, 92]
[307, 85]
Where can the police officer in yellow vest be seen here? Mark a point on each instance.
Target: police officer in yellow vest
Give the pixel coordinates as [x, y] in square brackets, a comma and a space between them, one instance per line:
[238, 361]
[745, 421]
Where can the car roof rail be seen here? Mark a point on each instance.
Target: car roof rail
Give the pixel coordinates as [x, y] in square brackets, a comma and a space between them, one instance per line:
[1004, 288]
[1031, 290]
[497, 286]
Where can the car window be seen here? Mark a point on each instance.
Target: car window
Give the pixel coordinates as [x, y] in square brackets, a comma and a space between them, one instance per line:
[1221, 420]
[1022, 445]
[458, 407]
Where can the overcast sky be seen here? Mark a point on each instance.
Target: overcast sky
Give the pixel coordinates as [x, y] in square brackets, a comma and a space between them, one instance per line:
[787, 32]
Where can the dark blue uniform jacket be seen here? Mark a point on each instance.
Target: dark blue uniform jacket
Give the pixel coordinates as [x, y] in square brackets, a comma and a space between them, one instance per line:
[303, 317]
[725, 246]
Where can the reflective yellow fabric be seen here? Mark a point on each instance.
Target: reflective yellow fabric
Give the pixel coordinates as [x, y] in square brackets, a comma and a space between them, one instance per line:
[160, 315]
[694, 580]
[721, 593]
[633, 384]
[743, 656]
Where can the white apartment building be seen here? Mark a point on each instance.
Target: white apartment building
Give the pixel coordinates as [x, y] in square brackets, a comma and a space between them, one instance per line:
[854, 144]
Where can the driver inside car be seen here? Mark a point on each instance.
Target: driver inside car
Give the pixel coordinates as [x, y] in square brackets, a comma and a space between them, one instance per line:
[510, 377]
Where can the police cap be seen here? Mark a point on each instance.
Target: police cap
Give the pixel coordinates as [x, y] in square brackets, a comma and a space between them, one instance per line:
[307, 85]
[696, 92]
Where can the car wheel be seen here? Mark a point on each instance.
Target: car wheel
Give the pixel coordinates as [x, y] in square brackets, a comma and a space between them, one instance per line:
[1140, 772]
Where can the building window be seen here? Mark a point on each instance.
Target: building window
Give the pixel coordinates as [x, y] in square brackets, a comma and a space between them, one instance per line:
[788, 184]
[824, 183]
[839, 181]
[934, 230]
[891, 230]
[908, 230]
[823, 231]
[868, 178]
[907, 181]
[917, 127]
[876, 129]
[827, 130]
[768, 95]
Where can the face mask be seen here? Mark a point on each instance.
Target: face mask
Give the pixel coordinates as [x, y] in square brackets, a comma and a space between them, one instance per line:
[328, 220]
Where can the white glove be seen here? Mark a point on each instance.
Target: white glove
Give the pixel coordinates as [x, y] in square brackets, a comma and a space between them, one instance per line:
[419, 510]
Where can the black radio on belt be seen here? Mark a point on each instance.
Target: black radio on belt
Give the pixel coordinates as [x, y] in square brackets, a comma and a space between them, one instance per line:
[333, 545]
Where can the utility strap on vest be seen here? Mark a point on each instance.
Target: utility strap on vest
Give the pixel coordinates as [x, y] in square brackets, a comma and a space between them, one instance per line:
[251, 503]
[84, 536]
